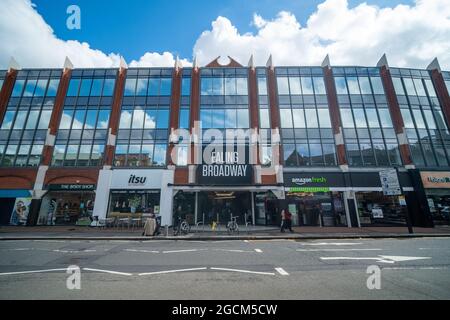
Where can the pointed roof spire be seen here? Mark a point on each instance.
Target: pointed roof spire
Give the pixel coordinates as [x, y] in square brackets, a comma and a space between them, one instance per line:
[251, 63]
[178, 64]
[383, 62]
[434, 65]
[13, 65]
[326, 62]
[269, 63]
[123, 64]
[68, 64]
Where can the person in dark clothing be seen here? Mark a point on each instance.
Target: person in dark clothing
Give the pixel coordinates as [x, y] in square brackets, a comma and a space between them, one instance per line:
[283, 220]
[288, 219]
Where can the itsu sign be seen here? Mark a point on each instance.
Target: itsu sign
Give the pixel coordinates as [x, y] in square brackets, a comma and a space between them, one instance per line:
[225, 166]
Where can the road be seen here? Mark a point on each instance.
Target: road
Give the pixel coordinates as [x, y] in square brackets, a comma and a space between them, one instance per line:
[417, 268]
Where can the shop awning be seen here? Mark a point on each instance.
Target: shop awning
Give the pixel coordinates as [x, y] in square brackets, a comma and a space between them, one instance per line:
[18, 193]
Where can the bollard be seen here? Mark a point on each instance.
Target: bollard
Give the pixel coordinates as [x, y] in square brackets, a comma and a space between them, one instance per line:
[167, 230]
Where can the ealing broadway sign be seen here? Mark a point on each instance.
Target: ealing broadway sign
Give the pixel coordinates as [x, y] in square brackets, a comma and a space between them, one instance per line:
[225, 166]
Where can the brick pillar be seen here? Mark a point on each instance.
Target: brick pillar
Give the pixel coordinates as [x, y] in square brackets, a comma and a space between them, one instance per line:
[441, 89]
[335, 116]
[55, 117]
[194, 116]
[396, 114]
[113, 127]
[6, 91]
[274, 124]
[174, 109]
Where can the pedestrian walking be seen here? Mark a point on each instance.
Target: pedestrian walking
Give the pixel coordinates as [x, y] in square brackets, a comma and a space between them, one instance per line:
[283, 220]
[288, 219]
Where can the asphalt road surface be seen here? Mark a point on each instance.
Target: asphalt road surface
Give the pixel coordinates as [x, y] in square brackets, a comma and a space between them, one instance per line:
[417, 268]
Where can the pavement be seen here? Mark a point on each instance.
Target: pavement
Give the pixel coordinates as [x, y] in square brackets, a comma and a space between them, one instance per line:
[253, 232]
[278, 269]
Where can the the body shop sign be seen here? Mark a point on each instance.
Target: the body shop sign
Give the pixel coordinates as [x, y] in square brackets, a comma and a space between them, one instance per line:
[435, 180]
[225, 166]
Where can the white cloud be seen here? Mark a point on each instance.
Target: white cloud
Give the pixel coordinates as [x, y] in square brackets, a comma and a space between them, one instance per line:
[410, 35]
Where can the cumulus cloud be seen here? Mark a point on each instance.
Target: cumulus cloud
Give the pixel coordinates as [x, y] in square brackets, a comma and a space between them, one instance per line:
[410, 35]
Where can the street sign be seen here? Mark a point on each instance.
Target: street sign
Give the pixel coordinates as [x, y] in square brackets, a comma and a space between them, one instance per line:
[390, 183]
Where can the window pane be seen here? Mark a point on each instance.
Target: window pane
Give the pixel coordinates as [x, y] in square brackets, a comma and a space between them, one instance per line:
[262, 86]
[360, 118]
[286, 118]
[166, 86]
[150, 119]
[32, 120]
[316, 155]
[138, 119]
[430, 120]
[147, 155]
[407, 119]
[184, 118]
[97, 85]
[41, 86]
[160, 155]
[398, 86]
[103, 119]
[186, 86]
[264, 118]
[218, 118]
[329, 154]
[243, 118]
[130, 87]
[91, 119]
[230, 119]
[311, 118]
[18, 88]
[290, 155]
[365, 85]
[241, 86]
[319, 85]
[206, 86]
[294, 85]
[120, 155]
[45, 119]
[125, 120]
[419, 87]
[430, 88]
[8, 119]
[29, 88]
[324, 118]
[353, 86]
[354, 156]
[108, 87]
[97, 155]
[79, 119]
[66, 119]
[230, 86]
[58, 155]
[299, 118]
[205, 118]
[409, 85]
[385, 117]
[283, 85]
[307, 86]
[85, 87]
[419, 119]
[163, 119]
[153, 87]
[372, 118]
[377, 85]
[303, 154]
[141, 87]
[73, 87]
[341, 86]
[52, 87]
[347, 118]
[20, 120]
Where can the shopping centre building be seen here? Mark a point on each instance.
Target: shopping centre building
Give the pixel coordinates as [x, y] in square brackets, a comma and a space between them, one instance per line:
[336, 146]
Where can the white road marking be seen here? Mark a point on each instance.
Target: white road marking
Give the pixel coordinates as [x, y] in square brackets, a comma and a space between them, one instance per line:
[108, 271]
[187, 250]
[141, 250]
[244, 271]
[282, 271]
[258, 250]
[171, 271]
[331, 244]
[232, 250]
[73, 251]
[17, 249]
[414, 268]
[384, 259]
[339, 250]
[32, 271]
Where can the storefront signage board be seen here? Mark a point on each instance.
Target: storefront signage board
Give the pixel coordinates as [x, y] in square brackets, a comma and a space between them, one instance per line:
[390, 183]
[139, 179]
[435, 180]
[72, 187]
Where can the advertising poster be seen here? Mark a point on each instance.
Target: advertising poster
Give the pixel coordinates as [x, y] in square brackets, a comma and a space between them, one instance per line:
[20, 212]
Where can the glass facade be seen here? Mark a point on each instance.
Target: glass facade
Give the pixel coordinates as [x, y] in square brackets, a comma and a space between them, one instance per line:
[427, 132]
[306, 131]
[83, 127]
[369, 134]
[24, 126]
[144, 120]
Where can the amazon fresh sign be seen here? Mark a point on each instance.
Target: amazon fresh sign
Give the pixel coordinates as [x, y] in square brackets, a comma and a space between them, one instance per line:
[225, 166]
[309, 180]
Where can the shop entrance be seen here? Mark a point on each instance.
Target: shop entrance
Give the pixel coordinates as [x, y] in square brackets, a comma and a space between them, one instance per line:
[439, 204]
[67, 208]
[220, 205]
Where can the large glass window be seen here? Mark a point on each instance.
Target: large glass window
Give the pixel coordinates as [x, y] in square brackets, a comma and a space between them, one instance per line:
[306, 131]
[83, 126]
[369, 134]
[144, 121]
[25, 124]
[426, 129]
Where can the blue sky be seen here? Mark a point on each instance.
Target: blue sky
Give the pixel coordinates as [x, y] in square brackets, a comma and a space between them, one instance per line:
[136, 26]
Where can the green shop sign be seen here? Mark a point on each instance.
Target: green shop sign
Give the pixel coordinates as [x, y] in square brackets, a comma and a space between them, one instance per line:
[309, 189]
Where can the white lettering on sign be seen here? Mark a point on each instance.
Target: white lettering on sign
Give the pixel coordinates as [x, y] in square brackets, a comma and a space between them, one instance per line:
[219, 157]
[224, 171]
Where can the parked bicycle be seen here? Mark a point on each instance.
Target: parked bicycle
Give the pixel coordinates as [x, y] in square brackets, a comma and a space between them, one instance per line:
[232, 225]
[182, 227]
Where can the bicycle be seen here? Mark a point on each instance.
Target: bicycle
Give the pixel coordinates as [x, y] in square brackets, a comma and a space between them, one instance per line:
[181, 228]
[232, 225]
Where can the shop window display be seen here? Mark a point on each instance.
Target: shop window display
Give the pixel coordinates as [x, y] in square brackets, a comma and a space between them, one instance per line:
[376, 209]
[134, 203]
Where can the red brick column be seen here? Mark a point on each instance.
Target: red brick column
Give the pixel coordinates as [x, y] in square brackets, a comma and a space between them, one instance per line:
[174, 109]
[113, 127]
[55, 117]
[194, 116]
[7, 89]
[335, 116]
[396, 115]
[442, 93]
